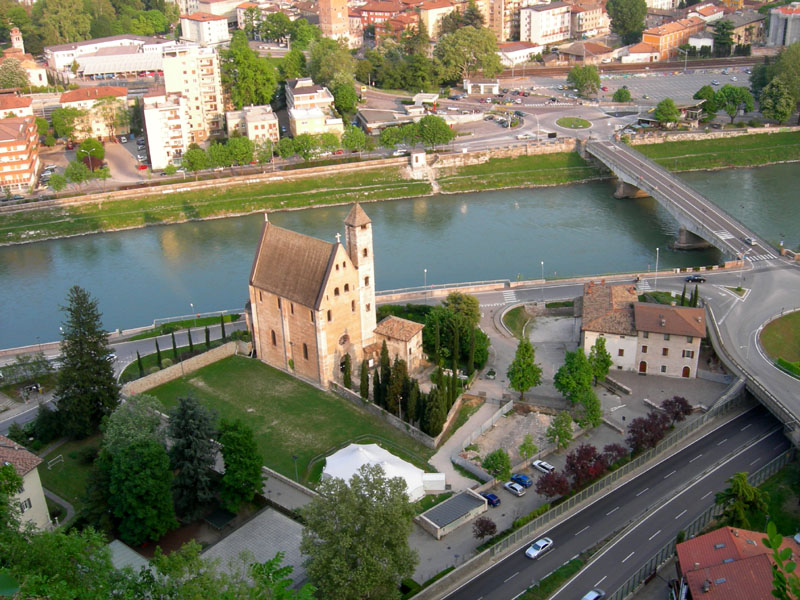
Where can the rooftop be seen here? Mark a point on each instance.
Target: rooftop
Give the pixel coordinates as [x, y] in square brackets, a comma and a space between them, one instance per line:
[203, 17]
[435, 4]
[10, 451]
[93, 93]
[516, 46]
[742, 18]
[642, 48]
[792, 9]
[10, 101]
[584, 48]
[105, 40]
[398, 329]
[545, 7]
[676, 26]
[675, 320]
[609, 308]
[453, 509]
[382, 6]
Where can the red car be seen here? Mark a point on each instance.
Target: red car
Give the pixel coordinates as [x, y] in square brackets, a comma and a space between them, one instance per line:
[142, 167]
[70, 145]
[339, 151]
[604, 88]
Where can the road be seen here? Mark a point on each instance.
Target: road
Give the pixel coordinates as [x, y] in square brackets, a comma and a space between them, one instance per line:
[611, 513]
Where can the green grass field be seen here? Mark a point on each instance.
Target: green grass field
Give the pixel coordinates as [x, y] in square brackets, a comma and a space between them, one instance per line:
[289, 417]
[515, 320]
[573, 123]
[782, 489]
[378, 184]
[543, 169]
[781, 338]
[741, 151]
[165, 328]
[68, 478]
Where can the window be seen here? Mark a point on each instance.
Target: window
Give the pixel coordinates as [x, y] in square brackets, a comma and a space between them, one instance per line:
[346, 287]
[363, 227]
[344, 265]
[663, 368]
[688, 354]
[305, 351]
[644, 349]
[274, 339]
[279, 303]
[353, 305]
[622, 337]
[291, 307]
[665, 352]
[366, 281]
[645, 334]
[621, 352]
[25, 505]
[368, 307]
[364, 252]
[689, 339]
[335, 291]
[337, 267]
[666, 337]
[311, 315]
[260, 299]
[330, 316]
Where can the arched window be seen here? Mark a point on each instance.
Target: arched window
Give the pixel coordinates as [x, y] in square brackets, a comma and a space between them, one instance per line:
[366, 281]
[335, 291]
[353, 305]
[274, 339]
[305, 351]
[337, 267]
[346, 287]
[364, 253]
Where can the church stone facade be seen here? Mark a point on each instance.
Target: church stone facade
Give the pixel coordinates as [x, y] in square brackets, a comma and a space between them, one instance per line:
[311, 301]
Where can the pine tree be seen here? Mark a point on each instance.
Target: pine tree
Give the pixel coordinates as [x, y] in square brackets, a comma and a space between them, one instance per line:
[364, 388]
[222, 326]
[191, 345]
[139, 364]
[86, 390]
[471, 355]
[192, 453]
[347, 373]
[174, 348]
[158, 354]
[208, 339]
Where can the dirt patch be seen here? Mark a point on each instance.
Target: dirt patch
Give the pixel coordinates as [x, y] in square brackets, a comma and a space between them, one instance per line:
[509, 432]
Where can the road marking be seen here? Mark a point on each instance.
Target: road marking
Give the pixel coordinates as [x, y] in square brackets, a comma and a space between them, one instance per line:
[754, 462]
[613, 510]
[706, 496]
[722, 442]
[683, 512]
[642, 492]
[582, 530]
[695, 458]
[601, 581]
[654, 535]
[778, 446]
[670, 473]
[627, 557]
[745, 427]
[512, 577]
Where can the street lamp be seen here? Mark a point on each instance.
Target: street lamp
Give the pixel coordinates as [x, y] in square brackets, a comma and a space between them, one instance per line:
[425, 284]
[537, 127]
[542, 282]
[655, 286]
[741, 270]
[191, 305]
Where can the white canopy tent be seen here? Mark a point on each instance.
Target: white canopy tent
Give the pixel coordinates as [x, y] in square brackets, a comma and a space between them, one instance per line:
[347, 461]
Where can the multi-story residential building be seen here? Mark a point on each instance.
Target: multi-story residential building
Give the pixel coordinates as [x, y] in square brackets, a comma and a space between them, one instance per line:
[662, 4]
[205, 29]
[545, 24]
[334, 20]
[102, 105]
[378, 11]
[667, 38]
[503, 18]
[219, 8]
[12, 105]
[30, 499]
[256, 123]
[396, 26]
[749, 26]
[668, 338]
[431, 13]
[186, 7]
[588, 20]
[304, 93]
[166, 118]
[608, 313]
[708, 12]
[243, 10]
[784, 25]
[62, 56]
[194, 73]
[19, 153]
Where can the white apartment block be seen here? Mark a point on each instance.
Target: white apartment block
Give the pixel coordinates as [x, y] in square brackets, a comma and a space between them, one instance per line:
[193, 72]
[220, 8]
[314, 121]
[205, 29]
[303, 93]
[662, 4]
[256, 123]
[186, 7]
[545, 24]
[165, 119]
[589, 20]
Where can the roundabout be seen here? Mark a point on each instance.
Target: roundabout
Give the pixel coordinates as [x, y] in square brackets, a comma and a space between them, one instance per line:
[573, 123]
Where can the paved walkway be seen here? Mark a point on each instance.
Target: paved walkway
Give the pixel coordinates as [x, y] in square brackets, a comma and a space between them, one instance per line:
[67, 506]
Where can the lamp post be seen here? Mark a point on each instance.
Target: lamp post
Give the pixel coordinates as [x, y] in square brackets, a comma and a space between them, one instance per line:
[655, 287]
[191, 305]
[542, 262]
[537, 127]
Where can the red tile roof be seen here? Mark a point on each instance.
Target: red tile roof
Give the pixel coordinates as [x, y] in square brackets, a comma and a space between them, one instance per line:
[609, 308]
[10, 102]
[642, 48]
[94, 93]
[203, 17]
[788, 10]
[13, 453]
[398, 329]
[675, 320]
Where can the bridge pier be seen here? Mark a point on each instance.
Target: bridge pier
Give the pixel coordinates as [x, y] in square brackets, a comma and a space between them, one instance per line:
[689, 241]
[628, 190]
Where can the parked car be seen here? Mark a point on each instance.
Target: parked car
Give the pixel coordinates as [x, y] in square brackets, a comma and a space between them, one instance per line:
[714, 82]
[50, 167]
[70, 145]
[140, 140]
[521, 479]
[696, 279]
[524, 136]
[123, 139]
[514, 488]
[491, 499]
[544, 467]
[18, 197]
[400, 152]
[539, 547]
[595, 594]
[604, 88]
[339, 151]
[519, 113]
[141, 157]
[142, 167]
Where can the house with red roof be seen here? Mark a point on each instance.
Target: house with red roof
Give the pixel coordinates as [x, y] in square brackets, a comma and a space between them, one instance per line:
[103, 107]
[30, 499]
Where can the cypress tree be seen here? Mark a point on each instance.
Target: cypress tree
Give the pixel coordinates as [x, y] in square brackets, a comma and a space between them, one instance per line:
[696, 296]
[174, 348]
[376, 388]
[208, 339]
[386, 371]
[683, 296]
[191, 345]
[413, 402]
[456, 349]
[437, 341]
[139, 363]
[471, 355]
[158, 354]
[347, 374]
[364, 388]
[222, 326]
[435, 413]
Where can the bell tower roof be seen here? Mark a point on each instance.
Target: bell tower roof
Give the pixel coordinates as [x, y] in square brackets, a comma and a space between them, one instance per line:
[357, 217]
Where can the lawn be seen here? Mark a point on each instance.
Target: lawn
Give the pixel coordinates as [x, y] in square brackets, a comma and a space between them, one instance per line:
[541, 169]
[783, 507]
[516, 319]
[740, 151]
[68, 478]
[467, 409]
[573, 123]
[781, 338]
[166, 328]
[290, 418]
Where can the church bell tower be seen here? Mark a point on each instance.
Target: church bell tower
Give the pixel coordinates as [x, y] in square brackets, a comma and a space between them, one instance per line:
[358, 240]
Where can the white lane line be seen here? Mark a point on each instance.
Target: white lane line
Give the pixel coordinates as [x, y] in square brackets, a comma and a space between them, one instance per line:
[601, 581]
[627, 557]
[745, 427]
[695, 458]
[706, 496]
[668, 474]
[612, 510]
[722, 442]
[642, 492]
[654, 535]
[754, 462]
[778, 446]
[683, 512]
[582, 530]
[512, 577]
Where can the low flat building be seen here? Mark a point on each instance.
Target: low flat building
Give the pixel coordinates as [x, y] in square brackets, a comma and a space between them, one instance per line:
[257, 123]
[30, 498]
[373, 120]
[403, 340]
[702, 39]
[640, 53]
[61, 57]
[708, 12]
[452, 513]
[477, 85]
[314, 121]
[205, 29]
[12, 105]
[100, 104]
[166, 118]
[303, 93]
[517, 53]
[589, 53]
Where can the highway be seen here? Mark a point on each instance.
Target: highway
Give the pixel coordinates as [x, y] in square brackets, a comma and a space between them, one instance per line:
[611, 513]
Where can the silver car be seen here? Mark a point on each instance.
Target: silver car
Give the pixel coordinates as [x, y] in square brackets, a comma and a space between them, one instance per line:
[539, 547]
[544, 467]
[514, 488]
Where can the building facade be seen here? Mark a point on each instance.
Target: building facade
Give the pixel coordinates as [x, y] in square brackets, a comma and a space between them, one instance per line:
[517, 53]
[303, 93]
[30, 499]
[334, 20]
[545, 24]
[432, 12]
[62, 56]
[403, 341]
[19, 153]
[205, 29]
[314, 121]
[103, 105]
[165, 120]
[588, 20]
[667, 38]
[608, 313]
[219, 8]
[257, 123]
[668, 339]
[12, 105]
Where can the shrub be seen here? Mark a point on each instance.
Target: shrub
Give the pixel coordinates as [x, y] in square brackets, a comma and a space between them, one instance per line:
[87, 455]
[17, 434]
[522, 521]
[166, 362]
[153, 369]
[243, 336]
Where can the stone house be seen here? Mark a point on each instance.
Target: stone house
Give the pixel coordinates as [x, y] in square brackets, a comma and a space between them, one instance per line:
[403, 340]
[312, 302]
[608, 313]
[668, 339]
[30, 498]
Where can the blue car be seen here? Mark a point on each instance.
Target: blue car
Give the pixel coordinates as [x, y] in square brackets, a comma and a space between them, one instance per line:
[521, 479]
[492, 499]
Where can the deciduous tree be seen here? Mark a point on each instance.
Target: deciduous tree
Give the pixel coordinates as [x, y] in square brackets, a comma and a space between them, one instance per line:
[574, 376]
[600, 359]
[614, 452]
[622, 95]
[353, 138]
[248, 78]
[12, 75]
[65, 120]
[194, 160]
[467, 51]
[241, 150]
[627, 19]
[465, 306]
[434, 131]
[527, 448]
[498, 464]
[739, 499]
[667, 112]
[585, 78]
[483, 527]
[113, 112]
[731, 99]
[77, 172]
[708, 94]
[646, 432]
[552, 484]
[344, 97]
[329, 58]
[523, 372]
[776, 100]
[677, 407]
[560, 430]
[584, 464]
[243, 477]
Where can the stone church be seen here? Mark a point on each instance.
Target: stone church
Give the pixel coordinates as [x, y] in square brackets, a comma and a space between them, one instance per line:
[312, 302]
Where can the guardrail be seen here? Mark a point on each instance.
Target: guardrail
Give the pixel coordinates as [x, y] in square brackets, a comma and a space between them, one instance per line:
[215, 313]
[439, 286]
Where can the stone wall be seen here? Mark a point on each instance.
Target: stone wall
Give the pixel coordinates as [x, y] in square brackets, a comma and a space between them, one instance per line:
[476, 158]
[658, 137]
[189, 365]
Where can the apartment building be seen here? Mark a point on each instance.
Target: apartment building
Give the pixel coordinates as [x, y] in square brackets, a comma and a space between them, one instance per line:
[667, 38]
[545, 24]
[784, 25]
[219, 8]
[662, 4]
[193, 72]
[378, 11]
[186, 7]
[314, 121]
[101, 105]
[12, 105]
[30, 498]
[588, 20]
[668, 339]
[205, 29]
[432, 12]
[256, 123]
[708, 12]
[503, 18]
[165, 120]
[303, 93]
[19, 153]
[749, 26]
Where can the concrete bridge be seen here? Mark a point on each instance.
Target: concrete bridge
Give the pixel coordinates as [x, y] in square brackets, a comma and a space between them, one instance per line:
[702, 223]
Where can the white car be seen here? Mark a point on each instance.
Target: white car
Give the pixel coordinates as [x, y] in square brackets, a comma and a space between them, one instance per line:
[544, 467]
[539, 547]
[524, 136]
[123, 139]
[595, 594]
[514, 488]
[141, 157]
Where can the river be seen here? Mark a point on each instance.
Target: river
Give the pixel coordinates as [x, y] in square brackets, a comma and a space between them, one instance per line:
[143, 274]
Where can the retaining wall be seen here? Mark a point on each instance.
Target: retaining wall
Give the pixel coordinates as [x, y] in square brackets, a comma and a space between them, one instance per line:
[476, 158]
[658, 137]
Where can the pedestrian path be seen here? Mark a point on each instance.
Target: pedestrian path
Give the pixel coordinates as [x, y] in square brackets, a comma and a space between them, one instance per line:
[643, 286]
[67, 506]
[758, 257]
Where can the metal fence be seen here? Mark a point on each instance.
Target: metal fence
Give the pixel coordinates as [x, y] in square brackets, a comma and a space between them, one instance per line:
[734, 402]
[488, 424]
[712, 512]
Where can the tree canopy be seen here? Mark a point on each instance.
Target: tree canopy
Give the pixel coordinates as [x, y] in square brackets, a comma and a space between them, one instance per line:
[243, 477]
[247, 78]
[667, 112]
[585, 79]
[12, 75]
[740, 499]
[732, 99]
[466, 51]
[627, 19]
[523, 372]
[776, 100]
